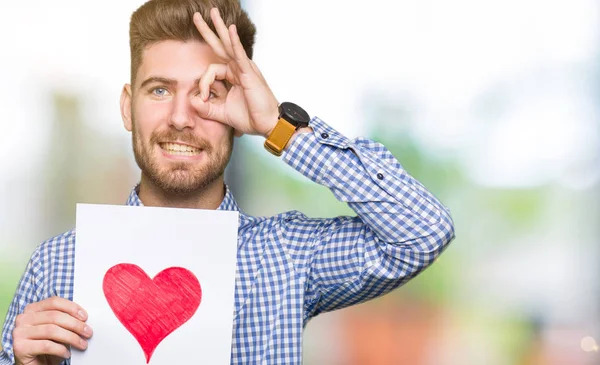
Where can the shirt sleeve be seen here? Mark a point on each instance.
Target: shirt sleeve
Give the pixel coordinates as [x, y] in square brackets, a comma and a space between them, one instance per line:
[28, 291]
[399, 230]
[31, 289]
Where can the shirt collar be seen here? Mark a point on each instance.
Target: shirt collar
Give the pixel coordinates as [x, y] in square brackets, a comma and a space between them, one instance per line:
[228, 202]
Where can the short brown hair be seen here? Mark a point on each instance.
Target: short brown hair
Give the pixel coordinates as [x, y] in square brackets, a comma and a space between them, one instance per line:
[160, 20]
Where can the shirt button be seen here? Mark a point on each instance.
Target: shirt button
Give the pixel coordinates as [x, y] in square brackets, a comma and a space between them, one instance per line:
[324, 135]
[380, 176]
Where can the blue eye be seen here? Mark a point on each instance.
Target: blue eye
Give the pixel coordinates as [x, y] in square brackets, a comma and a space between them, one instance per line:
[159, 91]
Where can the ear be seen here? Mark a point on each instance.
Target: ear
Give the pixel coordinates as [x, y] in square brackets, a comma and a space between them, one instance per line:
[126, 106]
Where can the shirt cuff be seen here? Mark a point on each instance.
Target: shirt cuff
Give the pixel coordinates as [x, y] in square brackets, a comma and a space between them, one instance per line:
[4, 360]
[311, 153]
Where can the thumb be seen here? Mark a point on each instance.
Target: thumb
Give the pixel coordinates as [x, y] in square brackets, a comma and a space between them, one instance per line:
[208, 110]
[215, 112]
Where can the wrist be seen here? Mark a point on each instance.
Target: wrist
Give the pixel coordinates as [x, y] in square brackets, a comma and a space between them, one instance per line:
[298, 132]
[273, 119]
[290, 121]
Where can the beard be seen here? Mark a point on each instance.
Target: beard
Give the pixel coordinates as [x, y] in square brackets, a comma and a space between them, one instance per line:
[180, 178]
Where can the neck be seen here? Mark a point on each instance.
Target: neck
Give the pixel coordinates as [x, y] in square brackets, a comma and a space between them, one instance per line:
[210, 197]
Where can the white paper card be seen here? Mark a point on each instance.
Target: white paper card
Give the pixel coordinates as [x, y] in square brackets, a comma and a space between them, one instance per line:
[119, 253]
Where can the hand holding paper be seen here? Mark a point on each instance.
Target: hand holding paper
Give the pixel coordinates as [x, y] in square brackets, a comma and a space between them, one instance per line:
[45, 329]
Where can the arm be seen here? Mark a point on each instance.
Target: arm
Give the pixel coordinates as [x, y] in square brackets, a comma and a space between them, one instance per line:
[40, 330]
[400, 228]
[27, 292]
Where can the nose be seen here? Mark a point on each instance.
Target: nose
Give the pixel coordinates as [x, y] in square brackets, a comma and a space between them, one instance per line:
[182, 113]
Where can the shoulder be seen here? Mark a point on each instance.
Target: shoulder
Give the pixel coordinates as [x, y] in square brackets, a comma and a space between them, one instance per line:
[61, 246]
[52, 259]
[60, 241]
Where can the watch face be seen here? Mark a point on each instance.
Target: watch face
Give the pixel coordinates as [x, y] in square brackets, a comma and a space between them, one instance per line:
[294, 114]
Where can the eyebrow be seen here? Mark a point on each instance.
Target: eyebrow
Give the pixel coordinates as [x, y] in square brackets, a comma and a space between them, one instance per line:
[170, 82]
[156, 79]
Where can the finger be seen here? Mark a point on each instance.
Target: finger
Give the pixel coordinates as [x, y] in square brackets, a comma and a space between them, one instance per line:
[222, 31]
[31, 348]
[59, 304]
[209, 36]
[209, 111]
[50, 332]
[215, 71]
[257, 71]
[60, 319]
[238, 51]
[237, 133]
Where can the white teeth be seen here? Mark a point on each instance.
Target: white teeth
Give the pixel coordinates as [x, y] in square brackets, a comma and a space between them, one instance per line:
[179, 149]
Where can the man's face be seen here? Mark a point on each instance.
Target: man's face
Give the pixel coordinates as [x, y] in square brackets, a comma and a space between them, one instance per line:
[176, 149]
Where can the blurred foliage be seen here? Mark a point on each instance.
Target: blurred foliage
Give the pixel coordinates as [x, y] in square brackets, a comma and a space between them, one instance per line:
[513, 335]
[520, 208]
[10, 275]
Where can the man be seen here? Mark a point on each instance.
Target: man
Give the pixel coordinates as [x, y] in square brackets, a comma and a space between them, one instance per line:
[193, 87]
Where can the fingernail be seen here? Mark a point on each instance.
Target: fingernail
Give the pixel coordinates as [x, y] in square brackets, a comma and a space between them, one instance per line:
[87, 330]
[81, 314]
[83, 343]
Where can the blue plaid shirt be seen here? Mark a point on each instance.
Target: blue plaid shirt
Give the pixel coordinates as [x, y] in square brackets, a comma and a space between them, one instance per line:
[291, 268]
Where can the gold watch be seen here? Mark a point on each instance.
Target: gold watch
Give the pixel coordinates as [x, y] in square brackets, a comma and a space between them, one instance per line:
[291, 118]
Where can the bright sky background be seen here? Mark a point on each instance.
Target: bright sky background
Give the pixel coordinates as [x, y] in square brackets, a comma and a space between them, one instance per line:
[328, 55]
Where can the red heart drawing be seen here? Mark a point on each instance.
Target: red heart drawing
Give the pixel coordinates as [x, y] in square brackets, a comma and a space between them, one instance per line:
[151, 309]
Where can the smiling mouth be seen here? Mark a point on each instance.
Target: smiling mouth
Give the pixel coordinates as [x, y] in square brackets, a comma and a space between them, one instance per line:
[177, 149]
